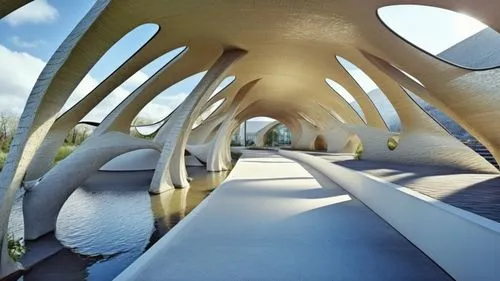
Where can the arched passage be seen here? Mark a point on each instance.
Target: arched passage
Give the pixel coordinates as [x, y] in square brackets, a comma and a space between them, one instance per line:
[320, 143]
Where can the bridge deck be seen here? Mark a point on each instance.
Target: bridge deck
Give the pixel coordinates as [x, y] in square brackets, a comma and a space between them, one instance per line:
[273, 219]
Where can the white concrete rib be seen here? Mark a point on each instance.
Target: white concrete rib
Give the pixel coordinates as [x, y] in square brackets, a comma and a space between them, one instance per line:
[273, 219]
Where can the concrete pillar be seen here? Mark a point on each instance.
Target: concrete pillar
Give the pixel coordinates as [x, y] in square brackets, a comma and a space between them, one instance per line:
[9, 6]
[44, 157]
[45, 100]
[170, 170]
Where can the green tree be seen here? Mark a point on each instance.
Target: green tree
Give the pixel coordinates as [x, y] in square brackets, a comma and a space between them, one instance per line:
[271, 138]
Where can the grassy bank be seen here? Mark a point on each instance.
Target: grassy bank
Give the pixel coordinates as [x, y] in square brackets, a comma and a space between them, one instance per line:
[3, 157]
[62, 153]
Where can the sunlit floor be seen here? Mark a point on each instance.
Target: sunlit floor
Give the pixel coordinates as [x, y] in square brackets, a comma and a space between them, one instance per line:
[476, 193]
[273, 219]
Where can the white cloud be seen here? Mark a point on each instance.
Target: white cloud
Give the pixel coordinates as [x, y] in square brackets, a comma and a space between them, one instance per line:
[19, 72]
[262, 119]
[18, 42]
[136, 80]
[39, 11]
[162, 106]
[87, 84]
[115, 97]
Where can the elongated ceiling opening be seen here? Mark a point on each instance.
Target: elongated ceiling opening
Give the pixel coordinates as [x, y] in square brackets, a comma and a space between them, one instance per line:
[223, 85]
[208, 112]
[378, 98]
[168, 100]
[112, 60]
[448, 35]
[308, 119]
[132, 83]
[341, 91]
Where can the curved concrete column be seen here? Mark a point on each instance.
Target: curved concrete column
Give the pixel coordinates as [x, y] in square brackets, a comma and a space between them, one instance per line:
[353, 142]
[434, 140]
[46, 99]
[42, 203]
[190, 62]
[420, 148]
[337, 139]
[307, 136]
[200, 151]
[44, 157]
[169, 171]
[219, 155]
[202, 133]
[9, 6]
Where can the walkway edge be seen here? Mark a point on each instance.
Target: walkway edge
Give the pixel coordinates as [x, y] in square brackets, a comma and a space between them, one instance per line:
[132, 272]
[465, 245]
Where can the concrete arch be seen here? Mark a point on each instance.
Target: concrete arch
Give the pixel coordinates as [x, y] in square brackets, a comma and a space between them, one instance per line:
[353, 142]
[320, 143]
[419, 126]
[289, 69]
[219, 156]
[9, 6]
[42, 203]
[192, 61]
[44, 157]
[45, 100]
[171, 169]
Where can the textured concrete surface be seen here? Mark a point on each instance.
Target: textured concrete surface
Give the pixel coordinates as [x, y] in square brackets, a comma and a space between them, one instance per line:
[42, 203]
[476, 193]
[290, 49]
[275, 220]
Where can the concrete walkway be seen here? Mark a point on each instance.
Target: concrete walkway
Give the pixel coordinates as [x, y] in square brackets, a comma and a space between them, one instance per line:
[273, 219]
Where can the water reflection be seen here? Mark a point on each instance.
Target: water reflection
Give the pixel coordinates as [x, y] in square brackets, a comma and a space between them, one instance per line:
[111, 220]
[172, 206]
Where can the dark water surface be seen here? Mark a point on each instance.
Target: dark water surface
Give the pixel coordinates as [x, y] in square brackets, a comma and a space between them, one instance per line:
[111, 220]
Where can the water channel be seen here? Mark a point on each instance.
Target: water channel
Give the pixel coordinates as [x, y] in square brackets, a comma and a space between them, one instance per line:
[111, 220]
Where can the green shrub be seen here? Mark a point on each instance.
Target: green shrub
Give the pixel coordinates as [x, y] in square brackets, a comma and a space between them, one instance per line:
[359, 152]
[392, 143]
[3, 158]
[16, 248]
[235, 155]
[63, 152]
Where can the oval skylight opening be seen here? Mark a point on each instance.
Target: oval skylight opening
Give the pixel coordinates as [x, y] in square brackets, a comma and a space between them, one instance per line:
[146, 130]
[223, 85]
[410, 76]
[113, 59]
[378, 98]
[168, 100]
[346, 96]
[331, 112]
[132, 83]
[208, 112]
[450, 36]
